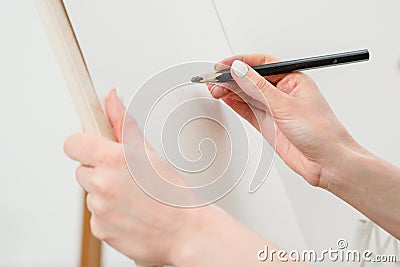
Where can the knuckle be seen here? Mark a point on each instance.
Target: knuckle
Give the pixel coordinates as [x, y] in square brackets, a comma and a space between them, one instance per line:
[294, 80]
[97, 229]
[267, 58]
[97, 185]
[102, 185]
[264, 59]
[106, 158]
[113, 157]
[83, 175]
[261, 84]
[97, 205]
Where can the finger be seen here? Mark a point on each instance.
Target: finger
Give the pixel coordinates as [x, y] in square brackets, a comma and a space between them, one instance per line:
[89, 203]
[217, 91]
[234, 92]
[256, 86]
[251, 60]
[242, 110]
[124, 125]
[83, 175]
[97, 205]
[116, 113]
[220, 90]
[87, 149]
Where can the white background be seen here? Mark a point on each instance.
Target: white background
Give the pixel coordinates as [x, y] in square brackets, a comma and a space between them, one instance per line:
[40, 202]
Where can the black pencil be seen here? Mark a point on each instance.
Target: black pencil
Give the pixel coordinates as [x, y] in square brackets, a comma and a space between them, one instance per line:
[290, 66]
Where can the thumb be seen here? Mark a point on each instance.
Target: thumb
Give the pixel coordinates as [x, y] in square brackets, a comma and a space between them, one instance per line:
[116, 112]
[256, 86]
[116, 115]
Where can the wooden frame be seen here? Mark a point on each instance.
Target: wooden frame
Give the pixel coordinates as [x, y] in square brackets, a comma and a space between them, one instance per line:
[76, 74]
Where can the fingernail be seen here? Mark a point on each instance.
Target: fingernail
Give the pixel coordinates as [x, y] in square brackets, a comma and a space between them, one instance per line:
[219, 66]
[239, 68]
[212, 89]
[118, 92]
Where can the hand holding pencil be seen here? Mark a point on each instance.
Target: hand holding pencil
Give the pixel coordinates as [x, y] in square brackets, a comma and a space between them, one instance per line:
[310, 139]
[304, 141]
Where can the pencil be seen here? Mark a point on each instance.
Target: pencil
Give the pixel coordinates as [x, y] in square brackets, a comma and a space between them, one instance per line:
[290, 66]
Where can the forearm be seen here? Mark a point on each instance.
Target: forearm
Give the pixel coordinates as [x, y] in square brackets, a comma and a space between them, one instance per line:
[219, 240]
[369, 184]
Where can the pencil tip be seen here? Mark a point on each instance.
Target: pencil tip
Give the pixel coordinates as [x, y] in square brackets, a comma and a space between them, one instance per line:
[196, 79]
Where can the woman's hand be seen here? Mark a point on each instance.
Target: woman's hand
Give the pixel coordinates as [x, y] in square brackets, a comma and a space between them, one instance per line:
[311, 140]
[308, 135]
[122, 214]
[146, 230]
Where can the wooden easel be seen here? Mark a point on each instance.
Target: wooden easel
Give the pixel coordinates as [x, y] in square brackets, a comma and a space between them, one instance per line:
[76, 74]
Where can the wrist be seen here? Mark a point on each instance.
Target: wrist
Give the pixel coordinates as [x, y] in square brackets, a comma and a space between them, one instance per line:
[341, 175]
[345, 155]
[191, 241]
[214, 236]
[218, 240]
